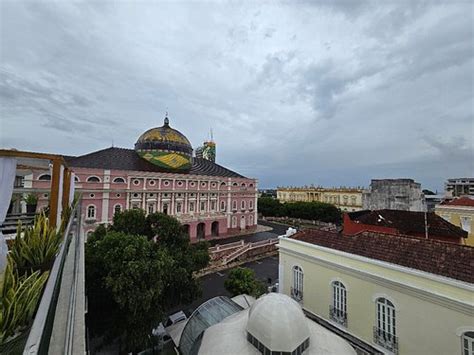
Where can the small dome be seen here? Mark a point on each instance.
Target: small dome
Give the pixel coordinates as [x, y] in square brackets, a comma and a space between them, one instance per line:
[166, 147]
[278, 322]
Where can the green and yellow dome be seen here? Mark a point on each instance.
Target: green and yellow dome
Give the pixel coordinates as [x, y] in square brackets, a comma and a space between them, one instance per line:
[165, 147]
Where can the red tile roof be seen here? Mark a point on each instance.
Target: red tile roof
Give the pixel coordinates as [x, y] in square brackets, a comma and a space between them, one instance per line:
[409, 222]
[445, 259]
[462, 201]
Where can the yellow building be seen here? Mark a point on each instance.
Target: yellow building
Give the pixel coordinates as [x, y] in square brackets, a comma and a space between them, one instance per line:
[459, 212]
[344, 198]
[418, 305]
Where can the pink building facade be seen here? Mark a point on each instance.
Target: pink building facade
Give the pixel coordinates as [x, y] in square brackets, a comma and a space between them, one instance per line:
[208, 199]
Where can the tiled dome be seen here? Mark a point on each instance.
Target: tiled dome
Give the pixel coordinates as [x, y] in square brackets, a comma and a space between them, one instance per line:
[165, 147]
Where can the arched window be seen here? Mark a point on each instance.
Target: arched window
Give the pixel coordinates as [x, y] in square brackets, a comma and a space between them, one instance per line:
[242, 205]
[223, 184]
[468, 343]
[45, 177]
[222, 205]
[234, 222]
[234, 205]
[297, 289]
[250, 205]
[76, 179]
[91, 212]
[117, 208]
[385, 330]
[93, 179]
[243, 184]
[338, 310]
[235, 184]
[251, 220]
[119, 180]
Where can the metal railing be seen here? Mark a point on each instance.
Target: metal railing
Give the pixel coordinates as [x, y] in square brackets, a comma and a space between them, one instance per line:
[386, 340]
[296, 294]
[59, 325]
[338, 316]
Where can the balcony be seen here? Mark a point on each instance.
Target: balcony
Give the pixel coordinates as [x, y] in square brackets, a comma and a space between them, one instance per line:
[338, 316]
[296, 294]
[386, 340]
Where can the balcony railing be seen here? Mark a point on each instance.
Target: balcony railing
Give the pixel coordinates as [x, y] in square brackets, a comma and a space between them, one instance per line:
[59, 324]
[338, 316]
[385, 339]
[296, 294]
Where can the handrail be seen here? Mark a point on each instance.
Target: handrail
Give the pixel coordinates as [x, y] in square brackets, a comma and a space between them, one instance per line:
[35, 343]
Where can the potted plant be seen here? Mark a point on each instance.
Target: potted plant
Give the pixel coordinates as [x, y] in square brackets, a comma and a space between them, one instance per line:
[31, 203]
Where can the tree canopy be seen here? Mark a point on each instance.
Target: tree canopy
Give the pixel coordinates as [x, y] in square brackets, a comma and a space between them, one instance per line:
[320, 211]
[134, 276]
[242, 280]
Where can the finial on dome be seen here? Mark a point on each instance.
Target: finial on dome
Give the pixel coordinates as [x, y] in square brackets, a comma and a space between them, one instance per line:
[167, 121]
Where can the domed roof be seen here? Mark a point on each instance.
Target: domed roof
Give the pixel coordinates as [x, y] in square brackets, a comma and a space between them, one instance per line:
[278, 322]
[164, 137]
[166, 147]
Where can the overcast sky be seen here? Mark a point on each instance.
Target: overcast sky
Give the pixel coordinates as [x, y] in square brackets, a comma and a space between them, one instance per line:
[296, 93]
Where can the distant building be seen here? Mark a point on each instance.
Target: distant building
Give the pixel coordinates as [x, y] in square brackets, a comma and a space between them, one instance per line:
[267, 193]
[458, 187]
[459, 212]
[433, 200]
[344, 198]
[273, 324]
[395, 294]
[207, 151]
[394, 194]
[408, 223]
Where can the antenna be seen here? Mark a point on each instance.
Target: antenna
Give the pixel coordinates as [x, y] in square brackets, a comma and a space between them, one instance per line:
[112, 142]
[212, 136]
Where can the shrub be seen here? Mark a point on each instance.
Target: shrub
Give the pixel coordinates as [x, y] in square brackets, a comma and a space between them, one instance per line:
[36, 248]
[19, 297]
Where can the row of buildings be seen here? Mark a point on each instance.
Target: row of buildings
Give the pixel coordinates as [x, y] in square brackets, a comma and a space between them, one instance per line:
[455, 206]
[397, 194]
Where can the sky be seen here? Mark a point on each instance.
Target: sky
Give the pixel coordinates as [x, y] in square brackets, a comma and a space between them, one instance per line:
[331, 93]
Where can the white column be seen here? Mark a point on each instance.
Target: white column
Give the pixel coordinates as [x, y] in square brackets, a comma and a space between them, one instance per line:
[281, 275]
[172, 211]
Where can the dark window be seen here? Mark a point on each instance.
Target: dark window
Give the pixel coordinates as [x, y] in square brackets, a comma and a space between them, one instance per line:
[93, 179]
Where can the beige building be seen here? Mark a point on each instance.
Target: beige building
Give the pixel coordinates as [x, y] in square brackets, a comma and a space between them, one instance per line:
[388, 294]
[344, 198]
[459, 212]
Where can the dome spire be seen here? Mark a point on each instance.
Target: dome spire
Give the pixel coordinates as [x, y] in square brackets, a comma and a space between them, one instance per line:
[167, 121]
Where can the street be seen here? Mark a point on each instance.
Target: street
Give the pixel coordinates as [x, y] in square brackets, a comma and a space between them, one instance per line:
[213, 284]
[278, 229]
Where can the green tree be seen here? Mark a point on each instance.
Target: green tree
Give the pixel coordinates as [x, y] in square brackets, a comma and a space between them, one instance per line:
[132, 279]
[131, 221]
[270, 207]
[242, 280]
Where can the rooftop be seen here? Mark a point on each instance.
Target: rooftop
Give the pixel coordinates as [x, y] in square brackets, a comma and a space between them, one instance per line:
[445, 259]
[127, 159]
[407, 222]
[462, 201]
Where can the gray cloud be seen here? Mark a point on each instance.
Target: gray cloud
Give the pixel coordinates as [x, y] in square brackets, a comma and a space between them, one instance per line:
[331, 93]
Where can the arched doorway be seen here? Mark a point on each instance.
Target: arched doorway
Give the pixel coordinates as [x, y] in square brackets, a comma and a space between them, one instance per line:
[200, 231]
[215, 229]
[242, 222]
[186, 229]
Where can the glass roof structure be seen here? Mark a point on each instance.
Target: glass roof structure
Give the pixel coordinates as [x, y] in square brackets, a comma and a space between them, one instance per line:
[207, 314]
